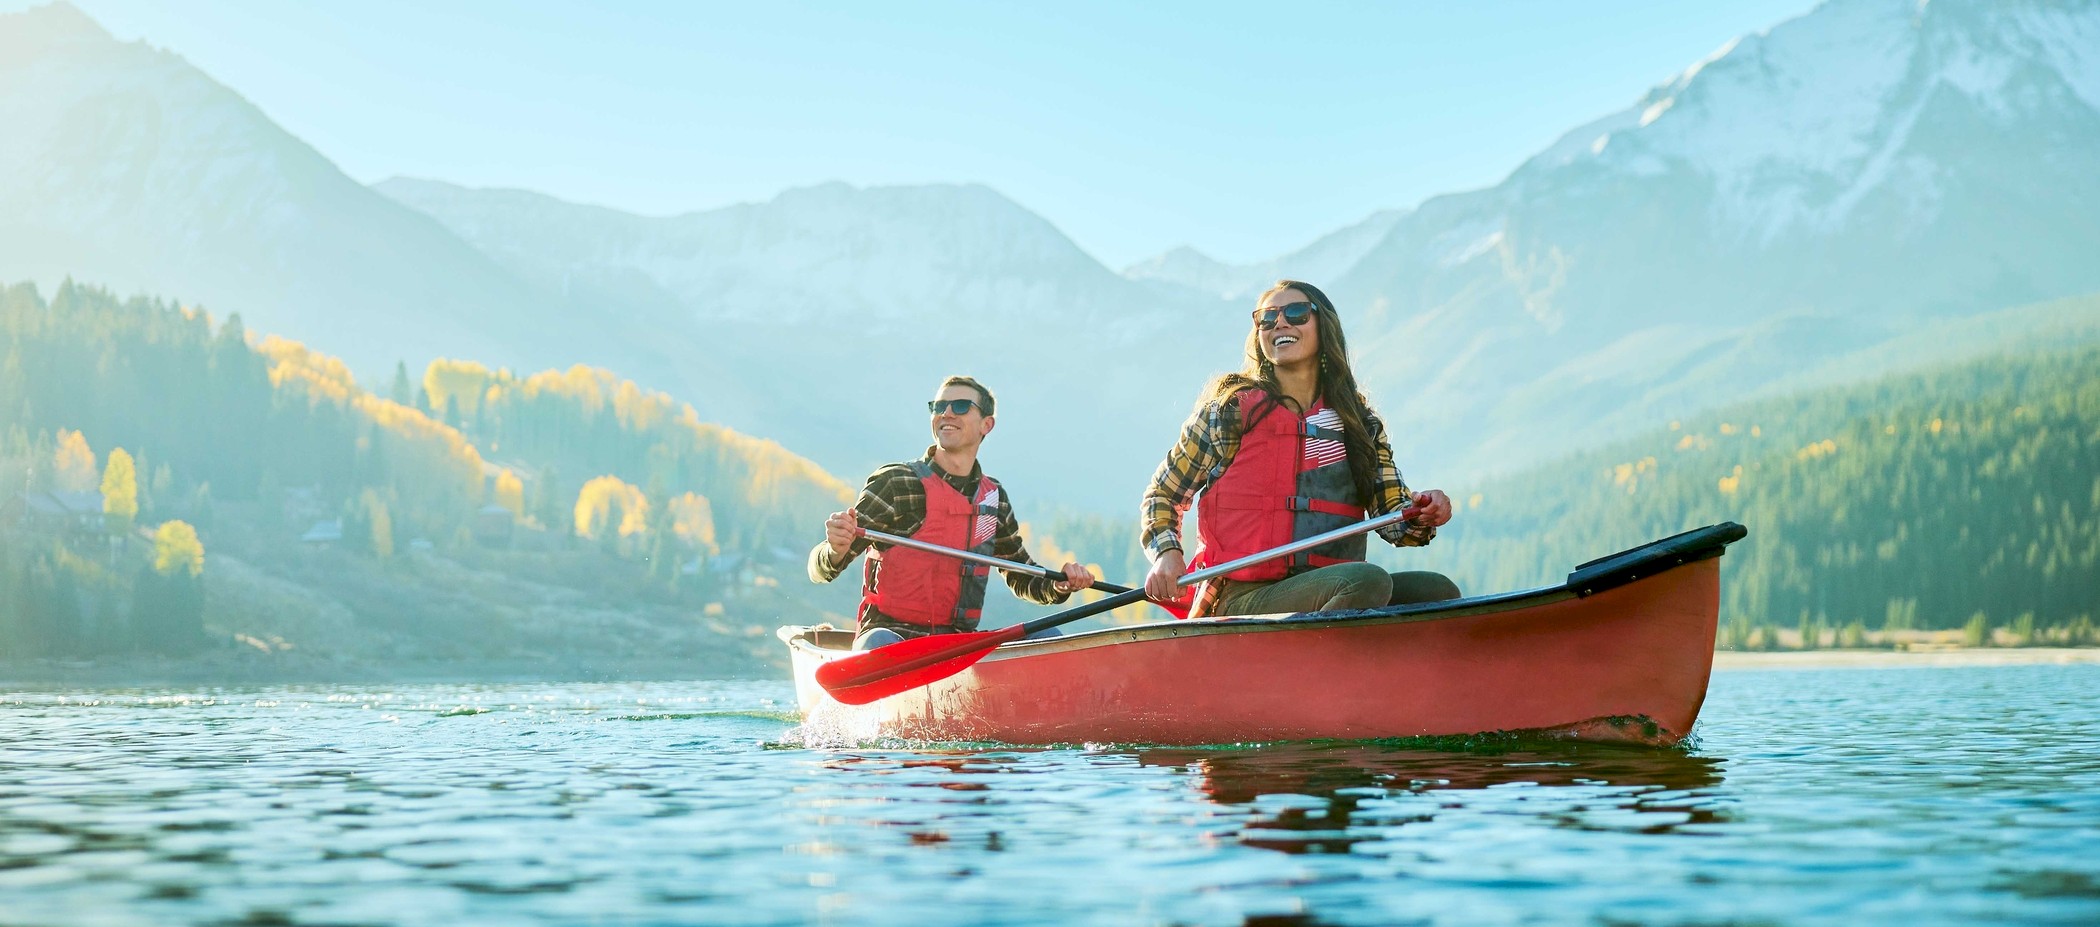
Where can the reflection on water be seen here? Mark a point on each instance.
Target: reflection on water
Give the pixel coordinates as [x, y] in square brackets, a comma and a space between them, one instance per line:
[1326, 798]
[1915, 796]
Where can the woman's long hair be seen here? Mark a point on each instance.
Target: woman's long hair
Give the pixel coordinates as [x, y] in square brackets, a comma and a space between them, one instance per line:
[1337, 387]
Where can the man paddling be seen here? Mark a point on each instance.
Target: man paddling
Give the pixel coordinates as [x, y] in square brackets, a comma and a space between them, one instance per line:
[942, 498]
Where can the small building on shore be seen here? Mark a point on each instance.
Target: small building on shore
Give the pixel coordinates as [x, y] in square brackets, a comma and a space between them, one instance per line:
[324, 533]
[55, 512]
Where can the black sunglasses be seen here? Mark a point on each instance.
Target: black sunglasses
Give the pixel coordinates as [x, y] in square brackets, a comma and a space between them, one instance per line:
[1295, 313]
[959, 406]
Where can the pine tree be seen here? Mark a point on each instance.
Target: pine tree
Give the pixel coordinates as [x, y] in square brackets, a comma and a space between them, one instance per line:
[402, 391]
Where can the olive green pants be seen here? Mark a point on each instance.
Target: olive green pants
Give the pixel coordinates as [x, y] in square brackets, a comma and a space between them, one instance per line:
[1329, 588]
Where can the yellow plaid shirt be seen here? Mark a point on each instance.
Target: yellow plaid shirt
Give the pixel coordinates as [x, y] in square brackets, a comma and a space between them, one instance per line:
[1209, 440]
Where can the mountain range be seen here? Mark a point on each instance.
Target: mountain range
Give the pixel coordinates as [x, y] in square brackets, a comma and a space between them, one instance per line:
[1806, 199]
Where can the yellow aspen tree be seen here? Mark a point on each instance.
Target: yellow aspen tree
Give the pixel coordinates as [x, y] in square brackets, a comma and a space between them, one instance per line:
[120, 491]
[634, 512]
[176, 549]
[597, 501]
[593, 506]
[510, 493]
[693, 521]
[462, 382]
[73, 464]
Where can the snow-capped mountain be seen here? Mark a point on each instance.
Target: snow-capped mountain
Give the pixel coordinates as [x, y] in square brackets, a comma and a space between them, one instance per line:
[1800, 194]
[879, 255]
[1803, 196]
[826, 317]
[822, 318]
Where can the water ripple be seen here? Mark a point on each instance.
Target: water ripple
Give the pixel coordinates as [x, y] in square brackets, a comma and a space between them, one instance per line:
[1938, 796]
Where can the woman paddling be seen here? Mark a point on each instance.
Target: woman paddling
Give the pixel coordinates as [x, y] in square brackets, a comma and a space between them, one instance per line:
[1284, 449]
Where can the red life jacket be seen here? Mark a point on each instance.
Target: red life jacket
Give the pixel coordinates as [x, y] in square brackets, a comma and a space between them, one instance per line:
[934, 590]
[1290, 480]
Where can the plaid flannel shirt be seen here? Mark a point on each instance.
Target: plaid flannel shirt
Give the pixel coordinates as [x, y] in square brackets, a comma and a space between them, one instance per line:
[1209, 441]
[894, 502]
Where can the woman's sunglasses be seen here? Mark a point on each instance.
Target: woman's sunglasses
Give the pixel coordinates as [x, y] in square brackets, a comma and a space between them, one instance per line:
[958, 406]
[1295, 313]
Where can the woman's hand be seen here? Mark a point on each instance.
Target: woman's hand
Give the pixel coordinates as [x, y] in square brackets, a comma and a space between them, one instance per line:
[839, 531]
[1435, 506]
[1076, 578]
[1163, 583]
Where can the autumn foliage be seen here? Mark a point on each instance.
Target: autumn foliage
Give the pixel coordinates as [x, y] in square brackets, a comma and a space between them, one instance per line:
[609, 506]
[213, 419]
[120, 491]
[73, 465]
[176, 549]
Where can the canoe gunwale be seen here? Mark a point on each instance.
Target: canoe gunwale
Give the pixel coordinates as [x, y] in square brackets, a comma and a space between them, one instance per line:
[1628, 566]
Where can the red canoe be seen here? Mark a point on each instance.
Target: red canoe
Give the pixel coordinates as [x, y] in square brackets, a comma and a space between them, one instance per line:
[1620, 652]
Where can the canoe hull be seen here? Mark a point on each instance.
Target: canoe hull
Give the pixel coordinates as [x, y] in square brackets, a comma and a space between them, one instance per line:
[1629, 663]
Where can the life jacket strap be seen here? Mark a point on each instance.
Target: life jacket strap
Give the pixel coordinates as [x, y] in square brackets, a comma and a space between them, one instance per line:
[1323, 506]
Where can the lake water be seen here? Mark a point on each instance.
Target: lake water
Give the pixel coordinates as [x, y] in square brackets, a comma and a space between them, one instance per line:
[1911, 796]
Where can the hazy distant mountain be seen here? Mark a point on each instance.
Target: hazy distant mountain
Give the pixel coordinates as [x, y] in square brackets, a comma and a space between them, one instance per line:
[1801, 194]
[126, 166]
[821, 318]
[1324, 259]
[824, 253]
[1804, 196]
[826, 316]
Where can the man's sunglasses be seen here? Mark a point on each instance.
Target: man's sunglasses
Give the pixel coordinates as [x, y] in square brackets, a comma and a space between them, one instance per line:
[958, 406]
[1295, 313]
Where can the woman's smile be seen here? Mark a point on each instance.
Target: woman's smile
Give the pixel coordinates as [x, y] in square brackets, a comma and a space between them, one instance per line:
[1289, 344]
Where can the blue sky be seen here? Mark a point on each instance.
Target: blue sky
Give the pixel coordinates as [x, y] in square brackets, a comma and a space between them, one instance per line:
[1244, 130]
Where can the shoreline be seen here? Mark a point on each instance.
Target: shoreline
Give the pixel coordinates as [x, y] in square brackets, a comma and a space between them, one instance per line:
[150, 672]
[168, 673]
[1728, 660]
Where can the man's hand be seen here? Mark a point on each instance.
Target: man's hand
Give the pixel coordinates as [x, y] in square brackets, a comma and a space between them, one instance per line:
[1163, 583]
[1076, 578]
[1435, 506]
[840, 530]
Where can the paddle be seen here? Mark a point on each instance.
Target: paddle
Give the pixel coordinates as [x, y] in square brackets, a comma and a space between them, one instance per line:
[986, 559]
[886, 671]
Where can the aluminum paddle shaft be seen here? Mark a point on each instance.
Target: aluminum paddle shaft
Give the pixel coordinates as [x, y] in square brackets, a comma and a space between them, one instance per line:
[860, 678]
[986, 559]
[1367, 525]
[1189, 579]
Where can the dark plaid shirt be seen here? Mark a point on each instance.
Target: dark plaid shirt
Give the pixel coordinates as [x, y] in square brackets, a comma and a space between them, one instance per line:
[894, 502]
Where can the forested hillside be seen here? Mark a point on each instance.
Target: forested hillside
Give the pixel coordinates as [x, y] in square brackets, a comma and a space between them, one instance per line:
[1963, 497]
[299, 482]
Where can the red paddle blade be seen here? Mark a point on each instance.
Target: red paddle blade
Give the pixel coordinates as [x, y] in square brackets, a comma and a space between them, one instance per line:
[886, 671]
